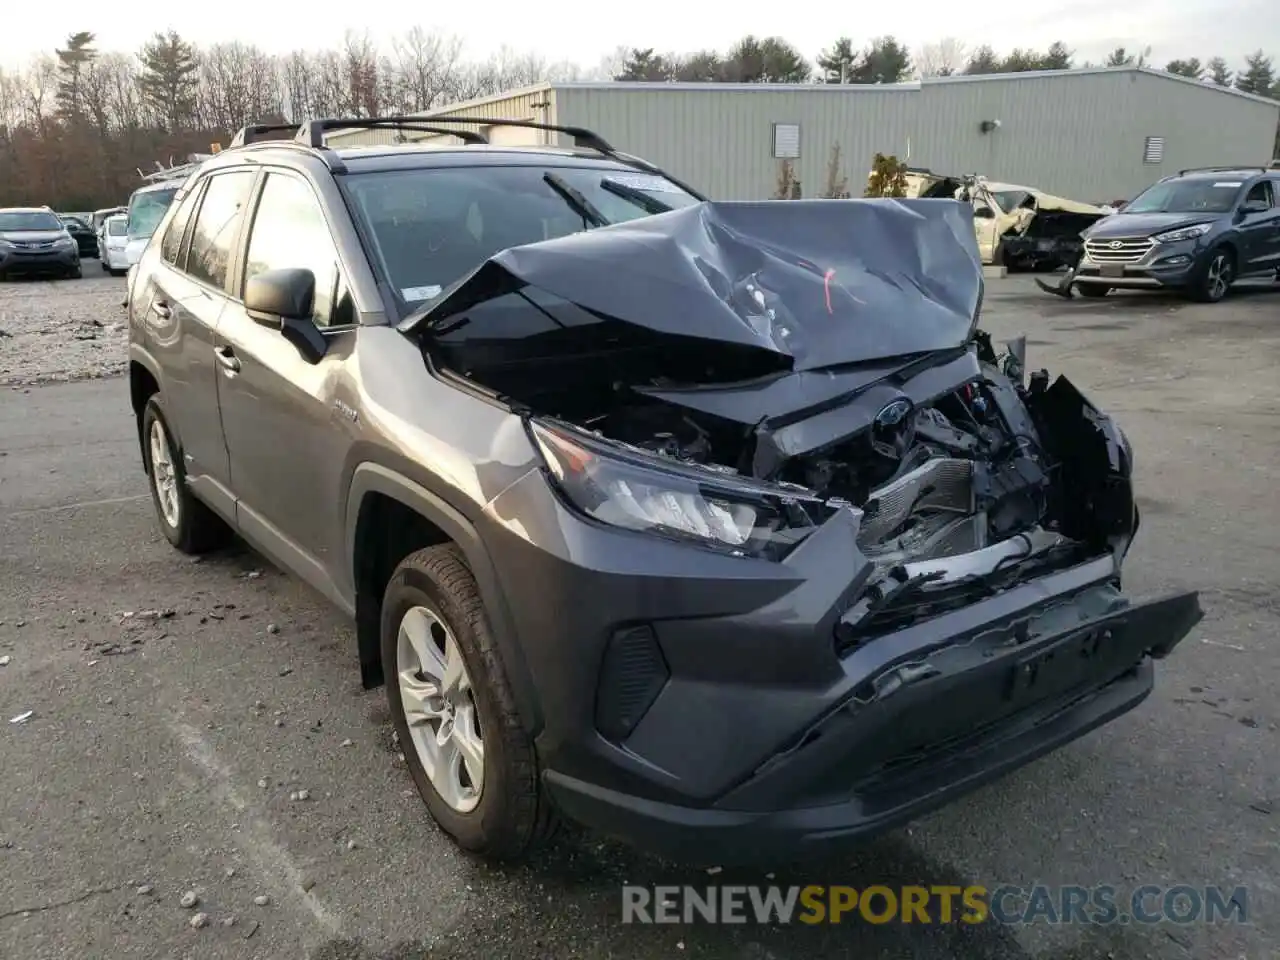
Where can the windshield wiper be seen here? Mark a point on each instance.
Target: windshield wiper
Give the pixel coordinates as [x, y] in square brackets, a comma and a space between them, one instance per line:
[575, 199]
[641, 199]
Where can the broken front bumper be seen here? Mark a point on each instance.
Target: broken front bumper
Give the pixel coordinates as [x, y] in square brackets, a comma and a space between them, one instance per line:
[1038, 251]
[710, 707]
[929, 713]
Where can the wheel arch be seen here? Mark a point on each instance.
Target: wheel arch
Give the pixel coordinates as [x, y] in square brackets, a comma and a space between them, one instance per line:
[380, 499]
[144, 383]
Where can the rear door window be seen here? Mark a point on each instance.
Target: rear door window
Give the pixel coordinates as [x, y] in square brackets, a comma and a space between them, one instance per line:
[217, 225]
[171, 250]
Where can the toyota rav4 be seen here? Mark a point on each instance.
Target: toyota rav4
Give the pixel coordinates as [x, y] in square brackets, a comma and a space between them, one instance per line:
[719, 527]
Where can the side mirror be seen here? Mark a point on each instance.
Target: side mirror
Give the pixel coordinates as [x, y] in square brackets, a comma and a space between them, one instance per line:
[984, 213]
[283, 299]
[1253, 206]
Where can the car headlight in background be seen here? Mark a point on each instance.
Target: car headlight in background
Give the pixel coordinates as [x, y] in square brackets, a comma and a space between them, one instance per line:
[1185, 233]
[628, 487]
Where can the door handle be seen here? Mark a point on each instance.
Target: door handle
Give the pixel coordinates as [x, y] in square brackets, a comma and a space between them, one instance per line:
[228, 360]
[162, 309]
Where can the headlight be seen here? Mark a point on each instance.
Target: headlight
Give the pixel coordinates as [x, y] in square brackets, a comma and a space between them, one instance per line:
[1186, 233]
[64, 242]
[628, 487]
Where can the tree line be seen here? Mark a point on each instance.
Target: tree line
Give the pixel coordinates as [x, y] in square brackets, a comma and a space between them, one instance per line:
[886, 60]
[77, 124]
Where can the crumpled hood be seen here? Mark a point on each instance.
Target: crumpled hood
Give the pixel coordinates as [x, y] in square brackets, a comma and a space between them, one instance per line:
[31, 236]
[1047, 202]
[824, 282]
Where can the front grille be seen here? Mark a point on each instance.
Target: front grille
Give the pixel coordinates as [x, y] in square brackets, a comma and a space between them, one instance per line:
[1119, 249]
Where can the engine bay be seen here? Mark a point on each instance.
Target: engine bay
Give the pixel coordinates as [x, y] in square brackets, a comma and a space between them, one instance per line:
[846, 377]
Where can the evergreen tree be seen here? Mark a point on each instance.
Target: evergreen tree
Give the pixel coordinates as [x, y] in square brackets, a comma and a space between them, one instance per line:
[169, 81]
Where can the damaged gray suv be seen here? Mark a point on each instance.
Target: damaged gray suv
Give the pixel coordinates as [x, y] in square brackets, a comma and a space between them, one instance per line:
[717, 527]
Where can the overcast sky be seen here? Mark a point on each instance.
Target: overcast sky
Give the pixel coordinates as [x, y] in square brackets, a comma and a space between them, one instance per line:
[585, 32]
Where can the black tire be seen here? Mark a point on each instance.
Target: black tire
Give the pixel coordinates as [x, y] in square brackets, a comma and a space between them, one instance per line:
[513, 816]
[197, 529]
[105, 269]
[1094, 290]
[75, 273]
[1219, 262]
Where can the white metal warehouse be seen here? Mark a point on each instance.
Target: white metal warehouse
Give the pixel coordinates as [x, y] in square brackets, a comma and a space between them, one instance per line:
[1093, 134]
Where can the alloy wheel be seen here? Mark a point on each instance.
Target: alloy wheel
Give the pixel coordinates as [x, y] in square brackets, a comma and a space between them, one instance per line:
[439, 708]
[1218, 277]
[163, 476]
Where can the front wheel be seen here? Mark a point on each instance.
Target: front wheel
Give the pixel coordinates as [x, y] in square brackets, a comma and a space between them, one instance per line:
[454, 713]
[1215, 279]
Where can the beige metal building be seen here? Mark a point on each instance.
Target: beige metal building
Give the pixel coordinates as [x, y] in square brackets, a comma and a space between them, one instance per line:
[1094, 134]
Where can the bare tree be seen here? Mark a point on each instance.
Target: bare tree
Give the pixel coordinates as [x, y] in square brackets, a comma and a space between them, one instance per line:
[942, 59]
[365, 82]
[610, 65]
[424, 66]
[124, 100]
[239, 84]
[39, 91]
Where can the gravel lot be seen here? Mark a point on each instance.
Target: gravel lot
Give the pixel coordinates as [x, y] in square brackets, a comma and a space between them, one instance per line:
[59, 330]
[172, 729]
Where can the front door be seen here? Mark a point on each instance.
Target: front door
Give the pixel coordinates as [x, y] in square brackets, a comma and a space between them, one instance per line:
[1259, 231]
[284, 433]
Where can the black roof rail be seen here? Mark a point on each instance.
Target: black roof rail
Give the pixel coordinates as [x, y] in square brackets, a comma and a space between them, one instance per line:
[582, 137]
[1238, 167]
[257, 132]
[311, 132]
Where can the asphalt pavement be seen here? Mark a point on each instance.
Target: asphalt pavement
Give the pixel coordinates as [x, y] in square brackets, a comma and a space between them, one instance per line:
[179, 710]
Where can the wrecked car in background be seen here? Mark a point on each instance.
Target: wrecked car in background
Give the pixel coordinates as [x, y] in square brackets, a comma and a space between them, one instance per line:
[1016, 227]
[718, 527]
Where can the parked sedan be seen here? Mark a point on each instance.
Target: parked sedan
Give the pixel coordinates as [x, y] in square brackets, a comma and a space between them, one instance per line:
[33, 241]
[115, 235]
[81, 233]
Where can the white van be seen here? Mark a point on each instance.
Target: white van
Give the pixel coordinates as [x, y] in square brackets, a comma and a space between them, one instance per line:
[147, 207]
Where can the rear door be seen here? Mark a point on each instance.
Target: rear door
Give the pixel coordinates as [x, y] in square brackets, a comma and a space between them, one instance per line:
[1271, 251]
[285, 436]
[179, 310]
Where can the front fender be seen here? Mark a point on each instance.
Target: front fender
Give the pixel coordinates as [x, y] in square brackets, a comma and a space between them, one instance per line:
[370, 478]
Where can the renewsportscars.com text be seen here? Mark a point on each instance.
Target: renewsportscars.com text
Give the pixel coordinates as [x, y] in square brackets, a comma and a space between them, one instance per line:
[878, 904]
